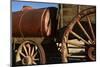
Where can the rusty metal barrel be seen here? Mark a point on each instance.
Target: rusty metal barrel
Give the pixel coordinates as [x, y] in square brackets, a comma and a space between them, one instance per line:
[34, 23]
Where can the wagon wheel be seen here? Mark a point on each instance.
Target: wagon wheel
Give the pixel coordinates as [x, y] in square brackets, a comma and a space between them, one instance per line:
[80, 30]
[30, 53]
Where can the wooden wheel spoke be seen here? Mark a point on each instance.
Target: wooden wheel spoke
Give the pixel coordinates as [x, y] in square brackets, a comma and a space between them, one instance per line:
[25, 50]
[34, 62]
[29, 49]
[36, 47]
[37, 59]
[76, 35]
[32, 51]
[91, 28]
[84, 30]
[35, 54]
[22, 54]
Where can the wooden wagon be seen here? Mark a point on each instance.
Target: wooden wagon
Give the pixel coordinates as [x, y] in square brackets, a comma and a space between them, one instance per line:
[35, 31]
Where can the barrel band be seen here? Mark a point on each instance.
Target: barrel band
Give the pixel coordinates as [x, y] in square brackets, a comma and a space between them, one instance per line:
[20, 23]
[42, 16]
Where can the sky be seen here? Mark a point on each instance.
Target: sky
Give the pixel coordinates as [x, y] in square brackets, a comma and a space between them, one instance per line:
[17, 5]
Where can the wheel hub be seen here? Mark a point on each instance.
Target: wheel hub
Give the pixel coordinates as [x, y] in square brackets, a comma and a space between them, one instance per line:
[91, 53]
[27, 60]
